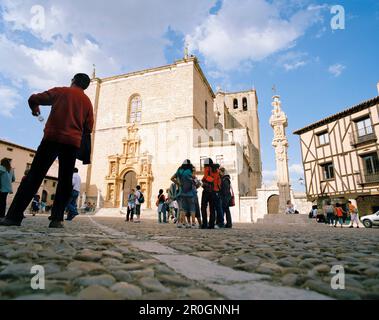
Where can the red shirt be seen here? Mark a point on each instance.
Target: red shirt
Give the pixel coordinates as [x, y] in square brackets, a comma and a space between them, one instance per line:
[71, 113]
[214, 177]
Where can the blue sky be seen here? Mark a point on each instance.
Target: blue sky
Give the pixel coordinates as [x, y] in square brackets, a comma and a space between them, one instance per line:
[240, 44]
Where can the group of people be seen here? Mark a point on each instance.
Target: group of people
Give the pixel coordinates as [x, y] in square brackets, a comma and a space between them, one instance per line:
[181, 202]
[336, 214]
[135, 199]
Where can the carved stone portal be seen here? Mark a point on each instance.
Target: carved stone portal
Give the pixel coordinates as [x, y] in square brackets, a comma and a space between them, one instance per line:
[129, 161]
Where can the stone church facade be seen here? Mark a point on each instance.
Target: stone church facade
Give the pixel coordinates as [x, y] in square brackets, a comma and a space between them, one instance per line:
[148, 122]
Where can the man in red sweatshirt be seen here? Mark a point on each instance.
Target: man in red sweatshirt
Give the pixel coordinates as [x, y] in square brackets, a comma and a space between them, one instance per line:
[71, 114]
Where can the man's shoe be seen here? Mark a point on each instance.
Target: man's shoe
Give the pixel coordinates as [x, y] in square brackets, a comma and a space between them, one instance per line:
[56, 224]
[50, 218]
[8, 222]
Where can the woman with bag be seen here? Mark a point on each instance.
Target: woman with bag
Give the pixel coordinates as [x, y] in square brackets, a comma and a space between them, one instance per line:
[227, 196]
[6, 179]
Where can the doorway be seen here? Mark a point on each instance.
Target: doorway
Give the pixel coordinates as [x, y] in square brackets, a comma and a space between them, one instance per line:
[273, 204]
[130, 182]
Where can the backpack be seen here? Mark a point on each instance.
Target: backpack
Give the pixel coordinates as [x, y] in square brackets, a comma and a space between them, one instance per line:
[186, 183]
[141, 198]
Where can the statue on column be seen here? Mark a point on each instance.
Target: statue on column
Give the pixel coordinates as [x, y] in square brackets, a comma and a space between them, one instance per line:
[278, 122]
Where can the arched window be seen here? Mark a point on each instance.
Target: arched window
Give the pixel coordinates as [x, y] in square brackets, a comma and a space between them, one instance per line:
[206, 114]
[135, 110]
[244, 104]
[235, 104]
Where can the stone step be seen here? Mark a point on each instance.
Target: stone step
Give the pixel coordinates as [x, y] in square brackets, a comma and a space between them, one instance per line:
[285, 219]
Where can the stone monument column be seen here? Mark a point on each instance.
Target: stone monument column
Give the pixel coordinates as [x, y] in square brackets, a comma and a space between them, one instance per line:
[278, 122]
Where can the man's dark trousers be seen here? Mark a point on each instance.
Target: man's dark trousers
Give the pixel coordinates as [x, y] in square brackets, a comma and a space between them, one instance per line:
[47, 152]
[207, 197]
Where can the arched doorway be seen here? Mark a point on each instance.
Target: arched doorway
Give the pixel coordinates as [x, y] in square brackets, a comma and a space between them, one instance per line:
[273, 204]
[44, 196]
[130, 182]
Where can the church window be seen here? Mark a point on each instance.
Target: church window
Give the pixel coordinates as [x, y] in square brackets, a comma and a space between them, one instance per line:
[206, 114]
[135, 110]
[244, 104]
[235, 104]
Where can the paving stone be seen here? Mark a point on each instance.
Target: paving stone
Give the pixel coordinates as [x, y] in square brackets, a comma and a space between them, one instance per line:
[97, 292]
[174, 280]
[17, 270]
[88, 255]
[148, 272]
[127, 291]
[104, 280]
[197, 294]
[84, 266]
[153, 284]
[112, 254]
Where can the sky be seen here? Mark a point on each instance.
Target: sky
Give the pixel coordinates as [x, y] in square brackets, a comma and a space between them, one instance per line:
[321, 56]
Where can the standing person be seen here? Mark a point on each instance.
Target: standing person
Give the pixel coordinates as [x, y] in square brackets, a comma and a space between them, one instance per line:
[226, 196]
[353, 214]
[186, 196]
[208, 198]
[72, 206]
[339, 215]
[139, 200]
[131, 205]
[160, 204]
[197, 185]
[71, 115]
[6, 179]
[35, 204]
[211, 194]
[173, 194]
[329, 212]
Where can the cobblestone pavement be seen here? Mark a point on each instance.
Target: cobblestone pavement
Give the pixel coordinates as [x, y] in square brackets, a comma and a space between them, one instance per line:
[107, 258]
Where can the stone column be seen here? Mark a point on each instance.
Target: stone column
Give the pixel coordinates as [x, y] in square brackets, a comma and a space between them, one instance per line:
[278, 122]
[98, 199]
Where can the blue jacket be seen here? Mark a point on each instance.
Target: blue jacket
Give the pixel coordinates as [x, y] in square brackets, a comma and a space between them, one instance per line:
[6, 179]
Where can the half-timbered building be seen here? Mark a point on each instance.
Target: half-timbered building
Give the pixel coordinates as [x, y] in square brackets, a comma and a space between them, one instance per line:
[340, 156]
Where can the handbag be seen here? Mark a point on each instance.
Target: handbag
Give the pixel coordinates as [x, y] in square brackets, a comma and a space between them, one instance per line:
[232, 201]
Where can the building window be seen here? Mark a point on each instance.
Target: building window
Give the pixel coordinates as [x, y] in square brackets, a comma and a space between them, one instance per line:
[323, 138]
[206, 114]
[44, 181]
[54, 184]
[28, 165]
[135, 110]
[244, 104]
[202, 159]
[235, 104]
[52, 197]
[364, 127]
[10, 149]
[31, 155]
[328, 171]
[371, 163]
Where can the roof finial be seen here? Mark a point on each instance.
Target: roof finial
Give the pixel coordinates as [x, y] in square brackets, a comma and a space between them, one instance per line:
[94, 71]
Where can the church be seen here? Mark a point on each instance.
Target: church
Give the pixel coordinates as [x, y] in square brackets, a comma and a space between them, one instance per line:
[148, 122]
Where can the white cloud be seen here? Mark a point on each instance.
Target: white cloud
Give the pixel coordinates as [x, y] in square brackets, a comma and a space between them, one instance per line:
[9, 98]
[248, 30]
[125, 36]
[336, 69]
[294, 66]
[296, 169]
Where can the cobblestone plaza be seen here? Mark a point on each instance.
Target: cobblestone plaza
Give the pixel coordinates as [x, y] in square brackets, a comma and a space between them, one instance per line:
[107, 258]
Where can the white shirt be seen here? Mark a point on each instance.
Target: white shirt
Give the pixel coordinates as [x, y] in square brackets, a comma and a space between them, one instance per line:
[76, 182]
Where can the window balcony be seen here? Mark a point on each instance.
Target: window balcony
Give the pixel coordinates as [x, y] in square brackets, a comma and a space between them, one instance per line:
[364, 135]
